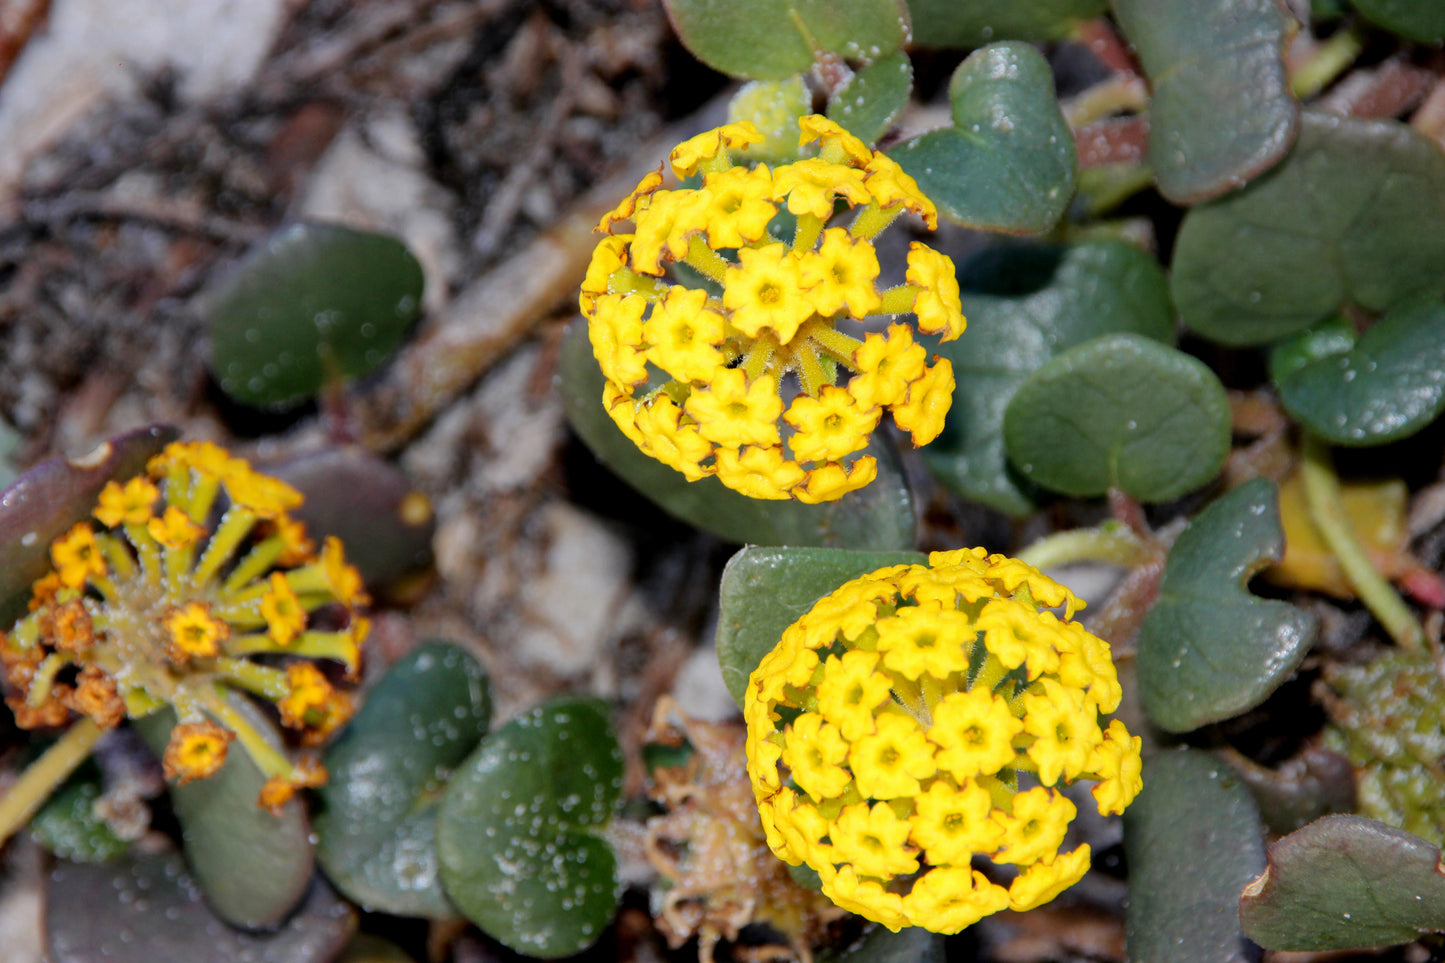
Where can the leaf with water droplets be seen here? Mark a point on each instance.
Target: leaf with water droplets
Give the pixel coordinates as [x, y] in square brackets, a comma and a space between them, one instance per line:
[43, 503]
[376, 825]
[1388, 386]
[254, 867]
[879, 515]
[1208, 649]
[68, 824]
[1008, 162]
[1351, 216]
[518, 836]
[772, 39]
[950, 25]
[1221, 110]
[150, 909]
[872, 99]
[1342, 883]
[312, 303]
[765, 590]
[1193, 840]
[1121, 411]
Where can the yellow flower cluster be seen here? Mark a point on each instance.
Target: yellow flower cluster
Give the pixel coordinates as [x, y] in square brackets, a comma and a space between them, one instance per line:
[924, 715]
[194, 567]
[698, 373]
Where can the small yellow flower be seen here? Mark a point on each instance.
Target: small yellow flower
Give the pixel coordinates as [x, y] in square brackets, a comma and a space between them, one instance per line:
[175, 529]
[77, 556]
[285, 618]
[308, 691]
[790, 309]
[194, 634]
[918, 720]
[196, 750]
[130, 504]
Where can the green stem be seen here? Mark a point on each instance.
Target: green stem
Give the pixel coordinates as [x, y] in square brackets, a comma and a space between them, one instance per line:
[43, 775]
[1325, 63]
[1110, 542]
[1327, 511]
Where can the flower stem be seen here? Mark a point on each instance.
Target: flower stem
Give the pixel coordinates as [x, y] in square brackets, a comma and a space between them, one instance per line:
[1325, 63]
[1327, 511]
[1109, 542]
[43, 775]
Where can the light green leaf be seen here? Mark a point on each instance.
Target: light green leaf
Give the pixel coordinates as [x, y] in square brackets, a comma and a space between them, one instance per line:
[871, 100]
[950, 24]
[1008, 162]
[1024, 304]
[1123, 412]
[1350, 216]
[765, 590]
[1209, 650]
[1221, 111]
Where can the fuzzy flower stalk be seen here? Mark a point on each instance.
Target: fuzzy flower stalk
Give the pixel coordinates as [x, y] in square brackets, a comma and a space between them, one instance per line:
[185, 577]
[772, 371]
[918, 722]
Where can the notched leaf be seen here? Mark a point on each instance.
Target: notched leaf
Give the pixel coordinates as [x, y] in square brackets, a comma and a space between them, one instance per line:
[1208, 649]
[1345, 882]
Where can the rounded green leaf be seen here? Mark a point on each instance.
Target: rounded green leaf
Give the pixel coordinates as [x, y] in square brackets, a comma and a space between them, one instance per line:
[1350, 216]
[765, 590]
[1221, 110]
[871, 100]
[879, 515]
[150, 909]
[773, 39]
[1008, 162]
[950, 24]
[1345, 882]
[1388, 386]
[773, 107]
[312, 303]
[376, 826]
[518, 835]
[1209, 650]
[68, 824]
[253, 867]
[1193, 840]
[1332, 337]
[1422, 20]
[1024, 304]
[43, 503]
[1123, 412]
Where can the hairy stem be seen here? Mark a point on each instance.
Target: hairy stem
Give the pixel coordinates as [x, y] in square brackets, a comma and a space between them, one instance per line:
[42, 776]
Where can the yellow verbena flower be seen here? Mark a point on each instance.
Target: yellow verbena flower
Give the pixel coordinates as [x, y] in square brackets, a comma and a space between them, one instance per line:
[742, 380]
[192, 568]
[922, 718]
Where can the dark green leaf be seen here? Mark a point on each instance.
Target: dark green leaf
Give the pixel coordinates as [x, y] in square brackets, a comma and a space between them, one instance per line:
[1345, 882]
[773, 39]
[1351, 215]
[1025, 303]
[312, 303]
[911, 944]
[68, 824]
[376, 829]
[1389, 386]
[150, 909]
[385, 523]
[1209, 650]
[765, 590]
[1193, 840]
[253, 867]
[948, 23]
[1332, 337]
[877, 516]
[518, 835]
[1008, 162]
[1422, 20]
[1311, 785]
[1221, 111]
[1121, 411]
[43, 503]
[872, 99]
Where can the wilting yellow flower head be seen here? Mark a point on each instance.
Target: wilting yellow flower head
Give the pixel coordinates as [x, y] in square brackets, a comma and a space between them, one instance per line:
[925, 715]
[702, 377]
[191, 569]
